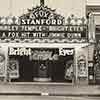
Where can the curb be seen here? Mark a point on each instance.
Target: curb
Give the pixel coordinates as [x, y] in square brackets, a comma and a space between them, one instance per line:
[50, 94]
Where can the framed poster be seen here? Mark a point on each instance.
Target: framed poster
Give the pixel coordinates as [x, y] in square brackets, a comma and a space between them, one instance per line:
[82, 69]
[2, 65]
[13, 69]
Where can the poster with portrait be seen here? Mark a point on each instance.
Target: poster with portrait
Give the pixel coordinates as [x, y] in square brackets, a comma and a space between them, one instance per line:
[82, 64]
[3, 61]
[2, 65]
[82, 69]
[13, 69]
[69, 70]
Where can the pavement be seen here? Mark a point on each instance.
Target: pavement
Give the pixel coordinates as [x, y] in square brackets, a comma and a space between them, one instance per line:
[45, 98]
[46, 91]
[49, 89]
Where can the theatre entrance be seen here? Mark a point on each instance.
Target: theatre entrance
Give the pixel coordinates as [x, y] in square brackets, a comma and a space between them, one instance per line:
[43, 65]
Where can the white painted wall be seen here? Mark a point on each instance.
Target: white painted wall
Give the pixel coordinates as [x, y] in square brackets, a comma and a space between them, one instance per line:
[64, 7]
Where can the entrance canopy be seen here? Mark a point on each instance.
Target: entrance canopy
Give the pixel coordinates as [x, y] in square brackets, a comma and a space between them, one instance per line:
[47, 45]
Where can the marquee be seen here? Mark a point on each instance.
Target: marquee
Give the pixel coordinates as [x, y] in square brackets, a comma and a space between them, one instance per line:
[42, 23]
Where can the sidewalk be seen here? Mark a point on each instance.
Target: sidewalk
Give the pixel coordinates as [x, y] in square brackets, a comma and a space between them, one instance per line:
[49, 90]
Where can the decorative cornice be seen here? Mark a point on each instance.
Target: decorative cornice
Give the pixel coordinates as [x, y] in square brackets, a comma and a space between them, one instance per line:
[84, 40]
[44, 9]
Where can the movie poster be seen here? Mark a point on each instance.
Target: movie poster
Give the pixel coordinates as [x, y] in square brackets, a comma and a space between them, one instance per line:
[3, 62]
[13, 69]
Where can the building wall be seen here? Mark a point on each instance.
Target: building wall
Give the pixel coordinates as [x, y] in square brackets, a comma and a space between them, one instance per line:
[94, 6]
[67, 7]
[93, 2]
[64, 7]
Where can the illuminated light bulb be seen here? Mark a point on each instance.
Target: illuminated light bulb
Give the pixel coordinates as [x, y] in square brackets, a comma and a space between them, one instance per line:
[16, 20]
[3, 20]
[32, 16]
[51, 16]
[73, 22]
[10, 21]
[79, 22]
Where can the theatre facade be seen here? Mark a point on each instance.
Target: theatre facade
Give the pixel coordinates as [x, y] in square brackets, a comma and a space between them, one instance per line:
[43, 46]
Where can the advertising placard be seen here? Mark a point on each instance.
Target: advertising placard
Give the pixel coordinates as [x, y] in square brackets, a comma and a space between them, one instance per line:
[13, 69]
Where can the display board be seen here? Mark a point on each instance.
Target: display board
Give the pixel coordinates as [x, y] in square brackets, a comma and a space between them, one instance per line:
[13, 69]
[3, 62]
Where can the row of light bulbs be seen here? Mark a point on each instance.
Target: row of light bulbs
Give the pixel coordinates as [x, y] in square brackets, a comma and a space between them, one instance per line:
[15, 20]
[76, 21]
[9, 20]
